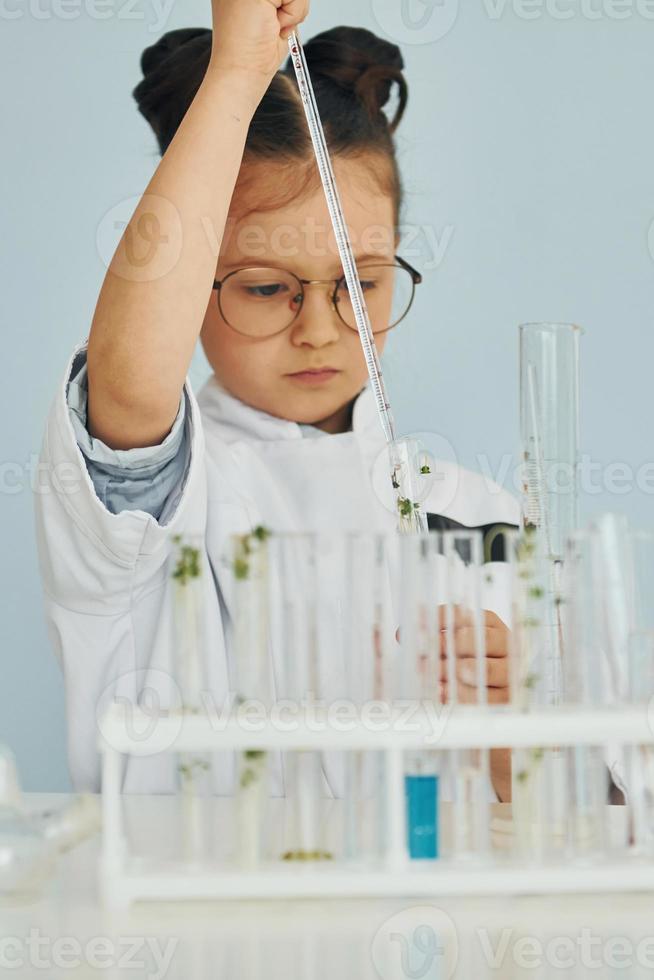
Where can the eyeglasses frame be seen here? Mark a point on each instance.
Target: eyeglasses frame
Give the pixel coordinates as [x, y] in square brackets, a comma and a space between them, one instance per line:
[399, 261]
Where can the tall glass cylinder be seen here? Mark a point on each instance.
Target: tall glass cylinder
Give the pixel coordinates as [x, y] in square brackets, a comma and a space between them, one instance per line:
[549, 421]
[549, 416]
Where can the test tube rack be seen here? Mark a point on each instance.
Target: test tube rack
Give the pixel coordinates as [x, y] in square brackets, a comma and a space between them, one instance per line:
[125, 878]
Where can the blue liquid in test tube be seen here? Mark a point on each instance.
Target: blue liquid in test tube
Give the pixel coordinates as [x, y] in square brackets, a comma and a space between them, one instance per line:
[422, 815]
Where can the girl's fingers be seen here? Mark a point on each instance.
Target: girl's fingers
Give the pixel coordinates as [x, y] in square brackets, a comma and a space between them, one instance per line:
[461, 619]
[291, 13]
[497, 672]
[465, 642]
[460, 616]
[468, 695]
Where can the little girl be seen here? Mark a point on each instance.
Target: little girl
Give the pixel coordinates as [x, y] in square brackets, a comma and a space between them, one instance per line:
[232, 242]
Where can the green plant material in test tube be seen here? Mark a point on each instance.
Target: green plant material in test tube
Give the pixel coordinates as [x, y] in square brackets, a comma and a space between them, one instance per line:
[241, 565]
[406, 507]
[188, 564]
[307, 856]
[250, 774]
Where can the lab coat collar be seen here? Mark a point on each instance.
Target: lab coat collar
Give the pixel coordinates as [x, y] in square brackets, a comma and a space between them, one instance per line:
[236, 420]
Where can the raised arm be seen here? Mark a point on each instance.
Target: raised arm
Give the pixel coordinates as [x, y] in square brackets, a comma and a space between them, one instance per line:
[153, 300]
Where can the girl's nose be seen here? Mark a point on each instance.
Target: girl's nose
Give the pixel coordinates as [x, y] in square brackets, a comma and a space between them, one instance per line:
[318, 323]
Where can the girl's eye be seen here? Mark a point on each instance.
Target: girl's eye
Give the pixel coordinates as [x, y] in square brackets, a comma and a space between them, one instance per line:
[265, 291]
[366, 286]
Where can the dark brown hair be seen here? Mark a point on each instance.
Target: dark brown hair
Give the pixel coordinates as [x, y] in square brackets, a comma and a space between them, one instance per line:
[353, 72]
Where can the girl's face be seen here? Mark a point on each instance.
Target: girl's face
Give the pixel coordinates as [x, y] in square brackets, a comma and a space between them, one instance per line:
[270, 373]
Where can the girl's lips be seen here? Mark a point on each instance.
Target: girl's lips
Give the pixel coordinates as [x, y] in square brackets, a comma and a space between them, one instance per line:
[314, 377]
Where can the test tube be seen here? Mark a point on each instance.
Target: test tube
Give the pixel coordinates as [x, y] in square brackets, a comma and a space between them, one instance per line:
[194, 768]
[419, 680]
[539, 775]
[294, 560]
[641, 687]
[587, 802]
[188, 577]
[369, 646]
[421, 785]
[618, 594]
[410, 467]
[463, 551]
[589, 673]
[250, 632]
[586, 675]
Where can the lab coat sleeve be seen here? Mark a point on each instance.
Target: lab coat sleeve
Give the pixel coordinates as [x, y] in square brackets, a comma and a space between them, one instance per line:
[105, 576]
[148, 478]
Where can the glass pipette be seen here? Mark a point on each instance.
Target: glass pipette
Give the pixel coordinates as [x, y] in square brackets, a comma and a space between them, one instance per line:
[411, 518]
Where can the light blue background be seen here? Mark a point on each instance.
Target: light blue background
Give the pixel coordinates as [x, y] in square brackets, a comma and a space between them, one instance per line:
[527, 149]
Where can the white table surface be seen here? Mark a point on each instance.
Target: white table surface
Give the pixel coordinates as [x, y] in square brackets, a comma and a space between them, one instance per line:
[67, 933]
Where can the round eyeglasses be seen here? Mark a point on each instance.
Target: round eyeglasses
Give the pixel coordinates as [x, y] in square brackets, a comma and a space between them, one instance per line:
[262, 302]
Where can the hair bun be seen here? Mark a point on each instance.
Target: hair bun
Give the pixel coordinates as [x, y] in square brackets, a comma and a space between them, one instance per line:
[173, 70]
[155, 55]
[359, 62]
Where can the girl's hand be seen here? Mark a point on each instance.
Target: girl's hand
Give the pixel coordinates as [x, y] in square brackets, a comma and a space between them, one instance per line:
[497, 639]
[497, 636]
[249, 37]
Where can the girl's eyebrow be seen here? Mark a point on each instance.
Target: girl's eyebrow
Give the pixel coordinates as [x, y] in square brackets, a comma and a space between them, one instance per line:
[363, 257]
[264, 263]
[377, 256]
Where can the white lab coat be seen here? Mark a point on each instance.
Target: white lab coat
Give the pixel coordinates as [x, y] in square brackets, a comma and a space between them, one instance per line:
[106, 577]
